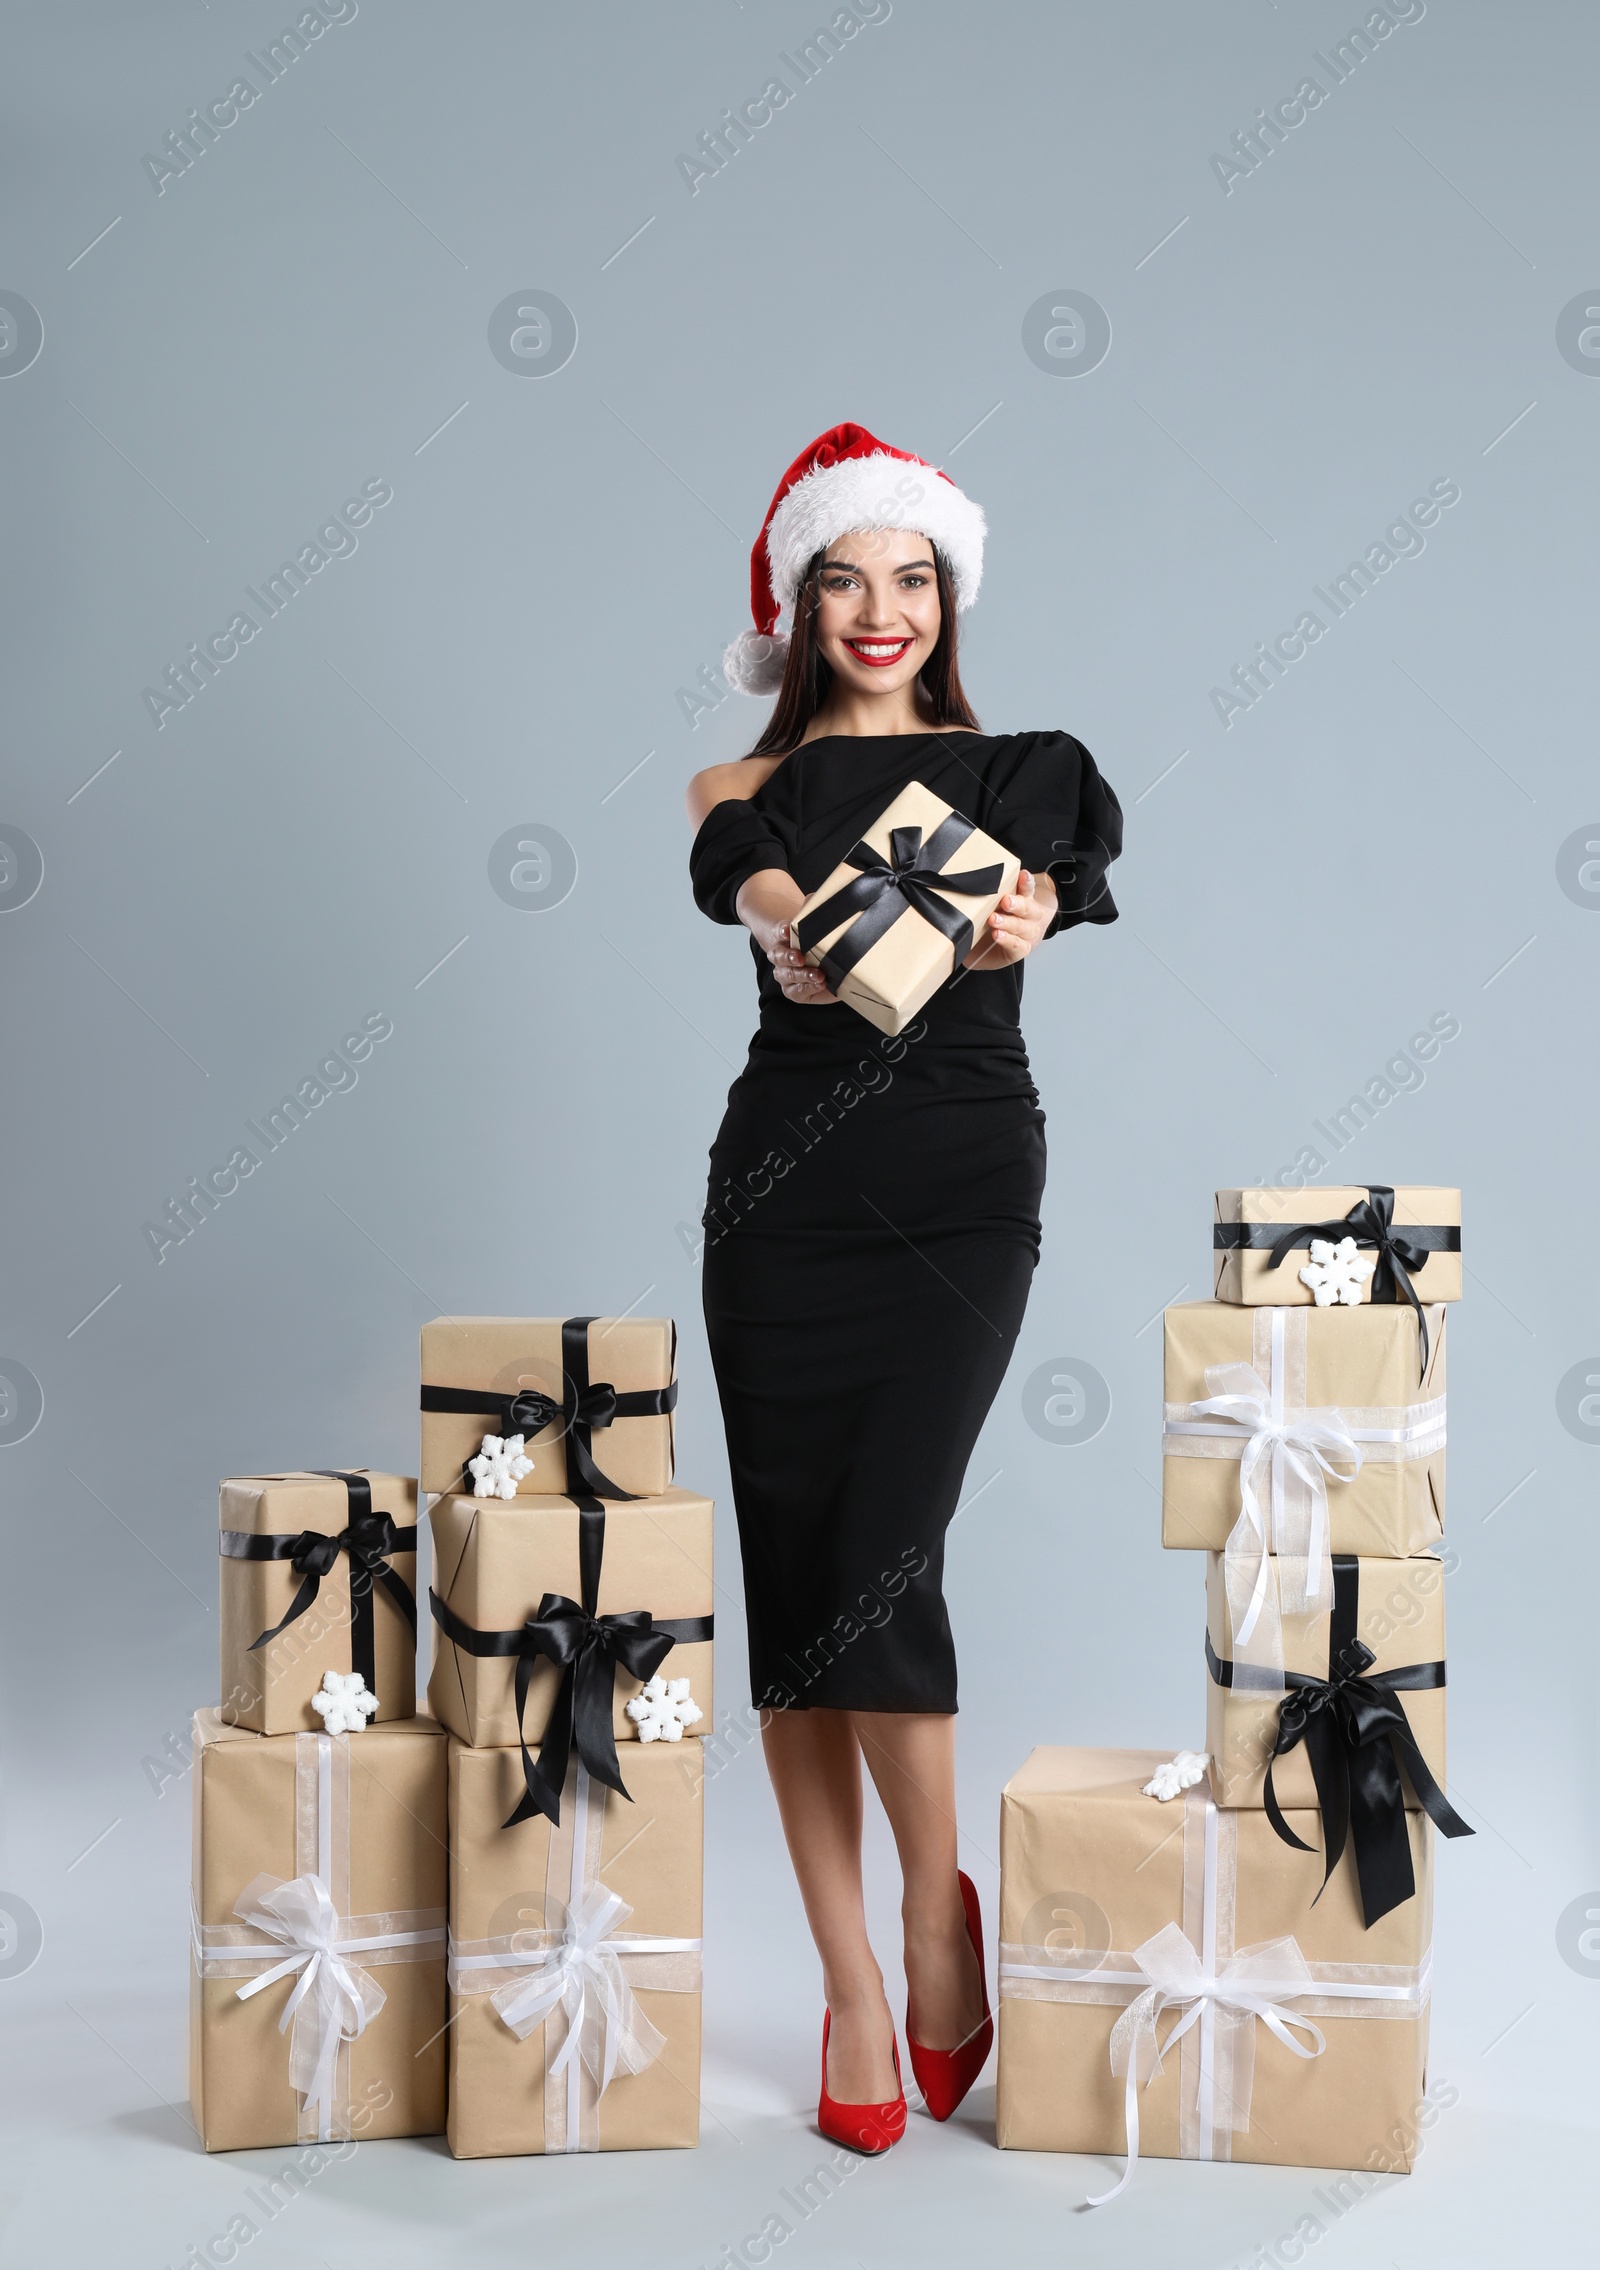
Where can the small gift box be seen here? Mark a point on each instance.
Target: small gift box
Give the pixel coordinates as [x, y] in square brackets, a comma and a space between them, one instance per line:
[575, 1959]
[317, 2010]
[898, 915]
[536, 1406]
[1338, 1247]
[1167, 1986]
[318, 1575]
[1300, 1432]
[561, 1620]
[1342, 1708]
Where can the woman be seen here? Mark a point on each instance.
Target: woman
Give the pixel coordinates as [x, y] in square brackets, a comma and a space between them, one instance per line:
[873, 1221]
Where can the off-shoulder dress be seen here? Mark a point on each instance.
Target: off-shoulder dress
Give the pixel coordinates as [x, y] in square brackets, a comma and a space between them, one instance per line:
[872, 1223]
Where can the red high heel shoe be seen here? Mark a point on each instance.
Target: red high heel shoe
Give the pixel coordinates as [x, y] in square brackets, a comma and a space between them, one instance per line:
[868, 2128]
[945, 2075]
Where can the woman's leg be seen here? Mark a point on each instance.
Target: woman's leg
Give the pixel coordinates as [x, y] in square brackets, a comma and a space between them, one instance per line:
[912, 1758]
[815, 1763]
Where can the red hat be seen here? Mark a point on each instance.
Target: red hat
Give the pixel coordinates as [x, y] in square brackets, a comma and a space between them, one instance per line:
[845, 479]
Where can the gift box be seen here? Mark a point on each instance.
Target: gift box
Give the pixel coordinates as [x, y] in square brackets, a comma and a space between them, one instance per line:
[1300, 1431]
[318, 1574]
[1289, 2033]
[317, 2007]
[1405, 1243]
[591, 1397]
[575, 1959]
[1342, 1710]
[898, 914]
[1378, 1637]
[561, 1610]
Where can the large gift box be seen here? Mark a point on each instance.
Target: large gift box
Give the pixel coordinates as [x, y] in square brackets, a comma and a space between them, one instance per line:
[575, 1958]
[1299, 1431]
[318, 1574]
[574, 1607]
[317, 2009]
[590, 1397]
[1285, 1248]
[1288, 2033]
[897, 915]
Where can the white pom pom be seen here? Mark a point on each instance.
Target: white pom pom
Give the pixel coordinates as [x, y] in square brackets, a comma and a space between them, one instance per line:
[753, 664]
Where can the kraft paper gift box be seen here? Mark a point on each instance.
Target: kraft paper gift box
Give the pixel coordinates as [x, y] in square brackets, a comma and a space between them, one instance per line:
[1332, 1382]
[326, 1563]
[494, 1566]
[592, 1398]
[1109, 1900]
[594, 1921]
[299, 1837]
[892, 921]
[1420, 1225]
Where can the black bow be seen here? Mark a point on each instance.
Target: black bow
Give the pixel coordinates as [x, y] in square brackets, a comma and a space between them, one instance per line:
[584, 1405]
[1357, 1739]
[881, 893]
[588, 1650]
[368, 1538]
[1370, 1221]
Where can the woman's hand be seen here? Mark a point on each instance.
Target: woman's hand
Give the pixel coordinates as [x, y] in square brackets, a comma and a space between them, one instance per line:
[766, 905]
[800, 980]
[1017, 924]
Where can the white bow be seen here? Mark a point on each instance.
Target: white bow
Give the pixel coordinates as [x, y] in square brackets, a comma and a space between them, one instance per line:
[1305, 1443]
[581, 1973]
[333, 2000]
[1253, 1984]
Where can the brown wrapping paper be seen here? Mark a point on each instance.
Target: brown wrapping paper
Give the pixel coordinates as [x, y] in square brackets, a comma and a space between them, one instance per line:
[1360, 1360]
[1245, 1275]
[1090, 1868]
[244, 1824]
[506, 1353]
[1400, 1616]
[505, 1880]
[493, 1563]
[270, 1689]
[909, 963]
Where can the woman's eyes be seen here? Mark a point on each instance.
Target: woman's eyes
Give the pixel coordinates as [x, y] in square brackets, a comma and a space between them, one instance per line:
[911, 582]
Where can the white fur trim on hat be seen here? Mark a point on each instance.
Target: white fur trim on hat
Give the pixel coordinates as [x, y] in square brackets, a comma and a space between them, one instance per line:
[881, 491]
[753, 664]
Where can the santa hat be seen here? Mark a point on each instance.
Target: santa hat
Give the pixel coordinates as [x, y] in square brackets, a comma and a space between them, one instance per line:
[846, 479]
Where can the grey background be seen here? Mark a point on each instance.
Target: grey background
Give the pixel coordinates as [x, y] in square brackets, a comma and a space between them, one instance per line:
[308, 842]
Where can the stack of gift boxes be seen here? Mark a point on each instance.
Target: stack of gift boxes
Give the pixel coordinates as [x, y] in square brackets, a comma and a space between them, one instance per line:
[486, 1921]
[1226, 1954]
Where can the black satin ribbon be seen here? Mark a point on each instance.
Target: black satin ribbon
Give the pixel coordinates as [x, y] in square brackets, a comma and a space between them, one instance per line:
[588, 1650]
[876, 898]
[1357, 1739]
[1370, 1221]
[368, 1538]
[585, 1404]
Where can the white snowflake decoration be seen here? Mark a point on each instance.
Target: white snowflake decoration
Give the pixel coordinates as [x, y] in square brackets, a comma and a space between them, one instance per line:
[663, 1710]
[345, 1703]
[1178, 1774]
[498, 1467]
[1336, 1273]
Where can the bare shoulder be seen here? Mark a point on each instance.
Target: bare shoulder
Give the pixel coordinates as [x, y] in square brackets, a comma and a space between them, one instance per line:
[722, 784]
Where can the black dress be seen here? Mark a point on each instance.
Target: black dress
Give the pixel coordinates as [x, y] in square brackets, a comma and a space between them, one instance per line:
[872, 1223]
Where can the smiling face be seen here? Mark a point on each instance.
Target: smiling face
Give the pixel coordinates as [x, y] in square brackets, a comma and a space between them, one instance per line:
[878, 608]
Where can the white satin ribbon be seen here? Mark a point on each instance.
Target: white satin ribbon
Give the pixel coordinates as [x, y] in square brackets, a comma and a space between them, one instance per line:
[1254, 1984]
[1308, 1444]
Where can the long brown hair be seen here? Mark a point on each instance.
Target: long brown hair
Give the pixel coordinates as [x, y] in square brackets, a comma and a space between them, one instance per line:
[807, 677]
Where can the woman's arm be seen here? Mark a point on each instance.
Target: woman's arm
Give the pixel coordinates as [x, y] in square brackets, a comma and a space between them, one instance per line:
[725, 784]
[767, 903]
